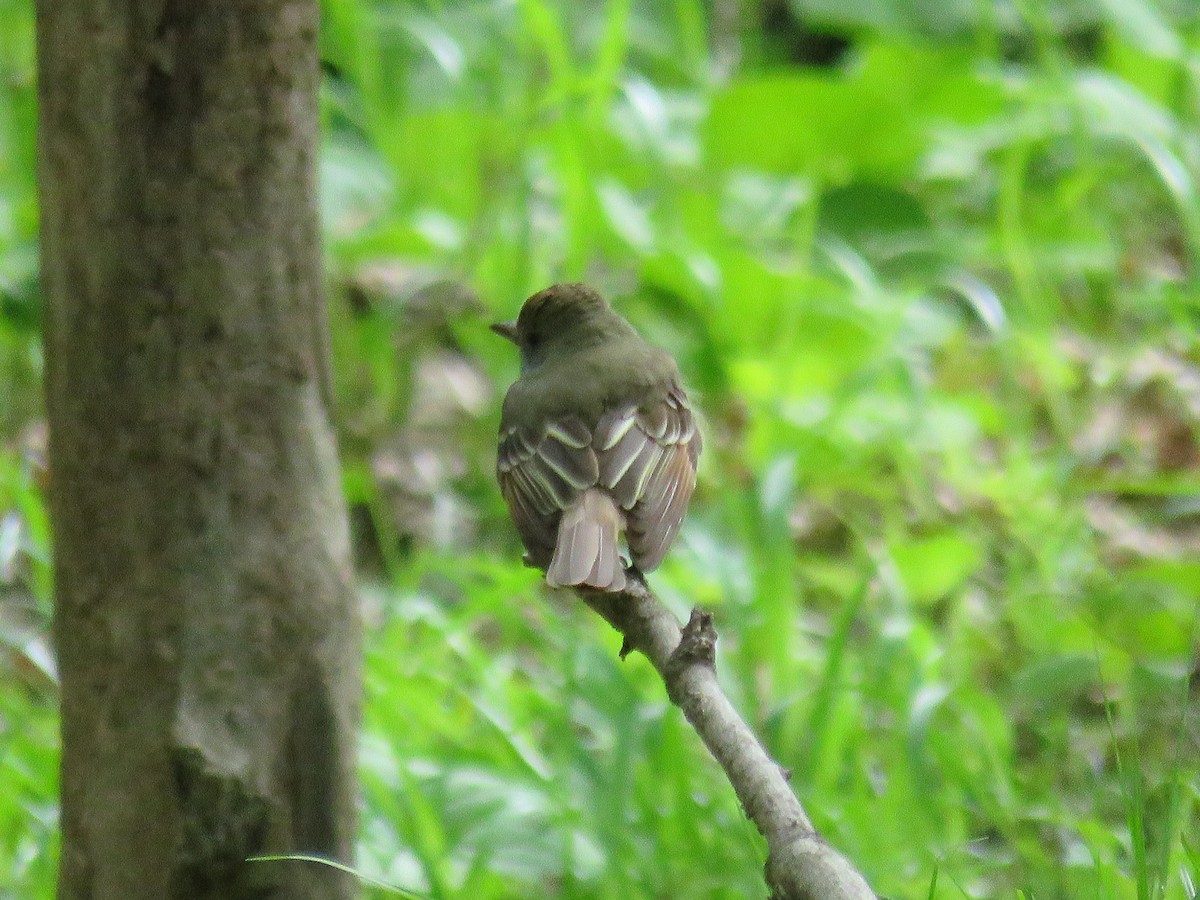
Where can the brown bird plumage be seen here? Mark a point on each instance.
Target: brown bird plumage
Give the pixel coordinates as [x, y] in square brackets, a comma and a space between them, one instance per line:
[596, 438]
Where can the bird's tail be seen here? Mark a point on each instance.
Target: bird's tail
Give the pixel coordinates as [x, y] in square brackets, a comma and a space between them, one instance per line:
[587, 550]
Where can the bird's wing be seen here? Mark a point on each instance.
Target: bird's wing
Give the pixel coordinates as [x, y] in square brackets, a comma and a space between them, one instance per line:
[648, 463]
[541, 473]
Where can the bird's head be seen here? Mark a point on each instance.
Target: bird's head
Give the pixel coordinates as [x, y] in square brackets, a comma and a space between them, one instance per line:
[562, 319]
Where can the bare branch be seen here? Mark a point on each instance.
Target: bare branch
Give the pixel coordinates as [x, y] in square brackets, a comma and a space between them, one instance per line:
[800, 865]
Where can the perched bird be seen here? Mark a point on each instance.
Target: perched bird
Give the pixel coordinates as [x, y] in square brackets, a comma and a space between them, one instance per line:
[596, 438]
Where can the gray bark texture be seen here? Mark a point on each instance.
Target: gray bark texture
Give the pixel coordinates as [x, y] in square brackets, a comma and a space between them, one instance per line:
[206, 628]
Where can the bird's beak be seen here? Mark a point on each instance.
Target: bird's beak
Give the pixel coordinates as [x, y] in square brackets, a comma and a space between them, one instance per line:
[506, 330]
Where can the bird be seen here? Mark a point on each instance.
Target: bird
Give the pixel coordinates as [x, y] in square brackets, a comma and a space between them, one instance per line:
[597, 438]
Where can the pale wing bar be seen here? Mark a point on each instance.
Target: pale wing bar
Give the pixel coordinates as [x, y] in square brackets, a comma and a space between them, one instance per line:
[542, 475]
[648, 463]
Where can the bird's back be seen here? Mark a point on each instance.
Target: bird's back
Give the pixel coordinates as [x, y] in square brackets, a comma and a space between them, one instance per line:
[589, 383]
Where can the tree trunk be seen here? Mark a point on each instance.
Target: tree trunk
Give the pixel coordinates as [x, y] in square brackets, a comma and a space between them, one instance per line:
[207, 634]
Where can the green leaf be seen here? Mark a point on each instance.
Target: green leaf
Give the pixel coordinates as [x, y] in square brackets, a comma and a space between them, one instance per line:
[1054, 681]
[812, 124]
[931, 567]
[873, 121]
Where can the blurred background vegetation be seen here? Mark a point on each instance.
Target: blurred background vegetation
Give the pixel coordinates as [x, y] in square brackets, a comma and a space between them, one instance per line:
[930, 270]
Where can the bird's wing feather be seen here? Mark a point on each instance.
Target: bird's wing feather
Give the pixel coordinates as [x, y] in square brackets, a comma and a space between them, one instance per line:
[541, 473]
[647, 462]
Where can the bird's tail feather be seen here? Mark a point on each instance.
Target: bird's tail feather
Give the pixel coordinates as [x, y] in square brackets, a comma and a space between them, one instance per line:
[587, 552]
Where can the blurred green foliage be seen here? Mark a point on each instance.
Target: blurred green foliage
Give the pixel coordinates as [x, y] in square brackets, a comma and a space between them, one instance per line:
[931, 271]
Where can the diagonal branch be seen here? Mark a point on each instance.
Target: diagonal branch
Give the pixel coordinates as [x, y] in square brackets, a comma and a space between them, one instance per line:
[800, 865]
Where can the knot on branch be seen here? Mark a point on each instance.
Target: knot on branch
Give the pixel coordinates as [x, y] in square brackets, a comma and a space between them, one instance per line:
[697, 643]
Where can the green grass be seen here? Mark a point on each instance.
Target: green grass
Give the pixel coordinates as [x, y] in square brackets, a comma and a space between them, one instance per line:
[938, 305]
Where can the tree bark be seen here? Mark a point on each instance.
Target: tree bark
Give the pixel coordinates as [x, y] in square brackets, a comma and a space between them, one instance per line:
[207, 634]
